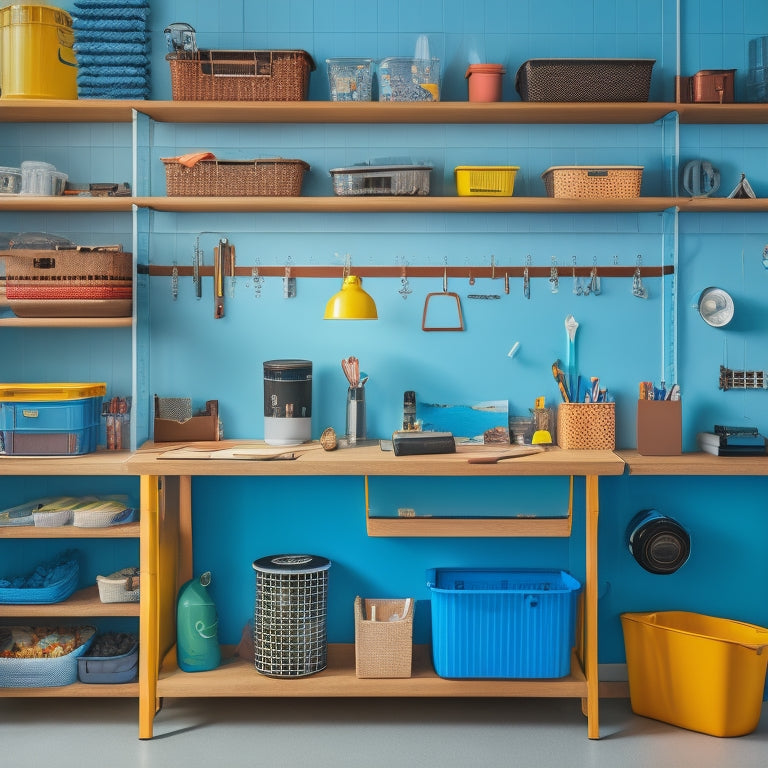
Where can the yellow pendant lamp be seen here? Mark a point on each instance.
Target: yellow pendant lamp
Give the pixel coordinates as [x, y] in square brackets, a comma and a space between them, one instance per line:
[351, 302]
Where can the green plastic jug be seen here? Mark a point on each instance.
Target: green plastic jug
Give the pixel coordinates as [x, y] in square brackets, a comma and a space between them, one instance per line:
[197, 641]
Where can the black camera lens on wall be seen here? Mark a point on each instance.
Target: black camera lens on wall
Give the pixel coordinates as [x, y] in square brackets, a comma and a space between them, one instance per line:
[659, 544]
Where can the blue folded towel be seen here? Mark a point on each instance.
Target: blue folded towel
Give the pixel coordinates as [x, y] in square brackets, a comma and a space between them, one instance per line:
[111, 3]
[129, 81]
[101, 12]
[116, 48]
[87, 59]
[93, 36]
[110, 72]
[113, 93]
[80, 24]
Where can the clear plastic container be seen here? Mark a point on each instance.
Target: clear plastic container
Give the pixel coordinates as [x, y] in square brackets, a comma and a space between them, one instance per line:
[409, 79]
[10, 181]
[350, 79]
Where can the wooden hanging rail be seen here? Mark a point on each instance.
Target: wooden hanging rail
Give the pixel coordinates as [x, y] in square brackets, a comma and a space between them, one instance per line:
[465, 271]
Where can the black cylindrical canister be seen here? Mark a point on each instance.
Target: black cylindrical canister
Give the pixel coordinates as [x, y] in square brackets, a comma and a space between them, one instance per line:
[659, 544]
[287, 402]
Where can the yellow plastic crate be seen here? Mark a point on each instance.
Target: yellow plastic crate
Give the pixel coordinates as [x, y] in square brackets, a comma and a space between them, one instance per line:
[695, 671]
[485, 180]
[48, 392]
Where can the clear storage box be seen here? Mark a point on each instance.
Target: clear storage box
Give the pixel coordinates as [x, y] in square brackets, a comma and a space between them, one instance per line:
[350, 79]
[50, 419]
[404, 79]
[497, 623]
[381, 180]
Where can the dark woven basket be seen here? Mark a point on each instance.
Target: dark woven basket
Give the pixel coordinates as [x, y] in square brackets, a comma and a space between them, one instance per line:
[241, 76]
[584, 79]
[235, 178]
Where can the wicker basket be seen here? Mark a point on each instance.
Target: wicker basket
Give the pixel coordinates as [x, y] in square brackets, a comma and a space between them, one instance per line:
[66, 570]
[47, 672]
[101, 514]
[241, 76]
[383, 637]
[586, 426]
[119, 587]
[584, 79]
[69, 283]
[596, 181]
[269, 177]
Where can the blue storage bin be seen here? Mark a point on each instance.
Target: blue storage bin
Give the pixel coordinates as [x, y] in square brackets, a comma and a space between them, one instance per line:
[497, 623]
[109, 669]
[50, 419]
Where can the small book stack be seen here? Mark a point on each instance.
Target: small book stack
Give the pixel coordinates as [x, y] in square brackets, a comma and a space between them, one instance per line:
[732, 441]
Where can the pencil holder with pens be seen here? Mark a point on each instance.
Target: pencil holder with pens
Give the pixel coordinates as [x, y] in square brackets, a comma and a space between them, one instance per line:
[586, 426]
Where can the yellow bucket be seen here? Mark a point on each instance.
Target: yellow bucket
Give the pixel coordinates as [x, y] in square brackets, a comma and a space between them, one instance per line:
[694, 671]
[37, 60]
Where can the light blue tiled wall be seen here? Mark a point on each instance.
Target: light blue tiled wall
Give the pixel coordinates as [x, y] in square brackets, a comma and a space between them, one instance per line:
[621, 338]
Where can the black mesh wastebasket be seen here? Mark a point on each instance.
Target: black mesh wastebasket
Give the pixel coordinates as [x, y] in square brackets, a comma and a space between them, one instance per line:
[289, 621]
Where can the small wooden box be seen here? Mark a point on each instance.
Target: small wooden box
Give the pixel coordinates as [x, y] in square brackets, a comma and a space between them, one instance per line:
[659, 427]
[586, 426]
[205, 427]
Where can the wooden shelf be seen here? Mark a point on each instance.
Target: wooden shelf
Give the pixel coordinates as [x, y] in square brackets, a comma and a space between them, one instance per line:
[66, 203]
[238, 677]
[722, 114]
[446, 112]
[695, 464]
[125, 531]
[119, 111]
[383, 204]
[65, 322]
[469, 527]
[99, 462]
[76, 691]
[371, 460]
[83, 603]
[406, 204]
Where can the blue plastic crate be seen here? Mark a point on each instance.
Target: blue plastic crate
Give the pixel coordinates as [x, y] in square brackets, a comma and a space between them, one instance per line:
[497, 623]
[50, 428]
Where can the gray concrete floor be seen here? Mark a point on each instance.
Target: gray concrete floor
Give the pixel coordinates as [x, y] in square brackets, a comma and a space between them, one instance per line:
[359, 733]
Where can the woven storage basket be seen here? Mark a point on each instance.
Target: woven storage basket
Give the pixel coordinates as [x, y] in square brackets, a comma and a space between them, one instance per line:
[241, 76]
[384, 647]
[119, 587]
[600, 181]
[63, 575]
[586, 426]
[235, 178]
[584, 79]
[48, 672]
[66, 283]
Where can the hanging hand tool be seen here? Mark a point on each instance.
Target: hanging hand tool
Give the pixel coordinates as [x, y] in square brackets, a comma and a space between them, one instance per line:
[223, 264]
[571, 326]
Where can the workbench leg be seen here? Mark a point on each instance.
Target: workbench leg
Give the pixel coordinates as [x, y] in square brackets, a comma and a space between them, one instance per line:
[590, 609]
[148, 615]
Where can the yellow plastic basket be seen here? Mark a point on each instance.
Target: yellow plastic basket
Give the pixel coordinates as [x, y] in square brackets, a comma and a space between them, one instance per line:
[695, 671]
[485, 180]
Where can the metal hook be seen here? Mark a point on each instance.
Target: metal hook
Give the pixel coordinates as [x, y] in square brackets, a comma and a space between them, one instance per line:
[554, 280]
[405, 288]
